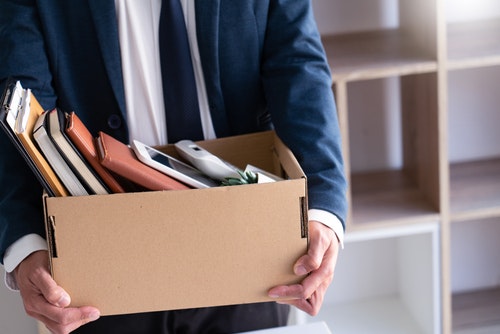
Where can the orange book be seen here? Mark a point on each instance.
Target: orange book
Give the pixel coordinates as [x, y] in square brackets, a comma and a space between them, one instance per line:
[121, 159]
[26, 138]
[83, 140]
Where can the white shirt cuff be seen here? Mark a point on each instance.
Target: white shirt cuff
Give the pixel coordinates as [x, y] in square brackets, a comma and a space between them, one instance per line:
[17, 252]
[328, 219]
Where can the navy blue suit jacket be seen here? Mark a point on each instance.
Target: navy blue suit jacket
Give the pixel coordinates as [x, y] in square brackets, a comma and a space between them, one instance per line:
[263, 64]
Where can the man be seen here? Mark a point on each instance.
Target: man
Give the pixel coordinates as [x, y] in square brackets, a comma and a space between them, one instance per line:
[258, 64]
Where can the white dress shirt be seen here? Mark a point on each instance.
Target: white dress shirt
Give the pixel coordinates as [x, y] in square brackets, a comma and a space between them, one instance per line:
[141, 69]
[144, 100]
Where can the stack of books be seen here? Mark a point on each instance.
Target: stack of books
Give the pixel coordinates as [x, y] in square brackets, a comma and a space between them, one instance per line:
[69, 161]
[66, 158]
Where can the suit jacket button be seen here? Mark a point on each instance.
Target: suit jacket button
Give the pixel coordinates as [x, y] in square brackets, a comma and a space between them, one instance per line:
[114, 122]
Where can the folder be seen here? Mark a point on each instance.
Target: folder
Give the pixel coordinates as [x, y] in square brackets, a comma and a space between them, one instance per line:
[23, 141]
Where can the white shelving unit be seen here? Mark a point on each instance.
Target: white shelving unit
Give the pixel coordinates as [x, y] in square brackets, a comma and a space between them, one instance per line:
[394, 289]
[473, 65]
[416, 89]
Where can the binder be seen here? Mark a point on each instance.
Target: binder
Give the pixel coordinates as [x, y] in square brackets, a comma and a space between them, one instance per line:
[24, 143]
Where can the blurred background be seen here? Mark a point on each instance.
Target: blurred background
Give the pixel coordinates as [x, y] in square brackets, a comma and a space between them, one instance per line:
[416, 84]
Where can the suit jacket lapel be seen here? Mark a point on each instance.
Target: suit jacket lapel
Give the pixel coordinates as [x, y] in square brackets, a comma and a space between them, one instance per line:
[207, 31]
[104, 17]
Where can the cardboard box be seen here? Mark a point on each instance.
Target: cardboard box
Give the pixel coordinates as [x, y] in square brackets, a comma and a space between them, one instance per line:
[163, 250]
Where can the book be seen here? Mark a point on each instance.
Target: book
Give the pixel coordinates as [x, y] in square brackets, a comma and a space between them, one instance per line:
[12, 105]
[56, 132]
[56, 161]
[24, 131]
[83, 140]
[121, 159]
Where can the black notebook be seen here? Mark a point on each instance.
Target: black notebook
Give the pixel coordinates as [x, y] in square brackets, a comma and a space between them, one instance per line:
[56, 161]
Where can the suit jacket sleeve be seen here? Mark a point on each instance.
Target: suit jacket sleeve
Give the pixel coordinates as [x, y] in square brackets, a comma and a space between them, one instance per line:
[297, 84]
[21, 56]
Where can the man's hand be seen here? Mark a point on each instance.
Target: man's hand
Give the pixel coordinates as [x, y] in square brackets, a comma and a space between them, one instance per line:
[319, 263]
[45, 300]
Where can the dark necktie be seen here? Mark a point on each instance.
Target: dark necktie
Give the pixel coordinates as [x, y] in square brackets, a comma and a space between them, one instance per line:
[179, 86]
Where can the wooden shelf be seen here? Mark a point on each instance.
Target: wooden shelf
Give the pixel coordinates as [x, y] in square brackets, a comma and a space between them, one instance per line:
[388, 197]
[473, 44]
[373, 55]
[475, 310]
[475, 190]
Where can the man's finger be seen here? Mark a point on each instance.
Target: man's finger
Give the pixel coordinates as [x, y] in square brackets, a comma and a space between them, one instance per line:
[69, 319]
[321, 238]
[311, 305]
[45, 300]
[324, 274]
[53, 293]
[306, 288]
[33, 278]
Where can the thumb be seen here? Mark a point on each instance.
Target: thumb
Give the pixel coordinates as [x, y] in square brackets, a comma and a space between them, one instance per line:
[320, 239]
[52, 292]
[33, 271]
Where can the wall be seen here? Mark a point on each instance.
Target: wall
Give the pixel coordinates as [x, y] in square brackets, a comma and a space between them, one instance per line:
[12, 317]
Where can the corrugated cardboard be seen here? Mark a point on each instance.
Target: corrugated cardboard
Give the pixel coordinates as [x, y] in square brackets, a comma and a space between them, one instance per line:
[150, 251]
